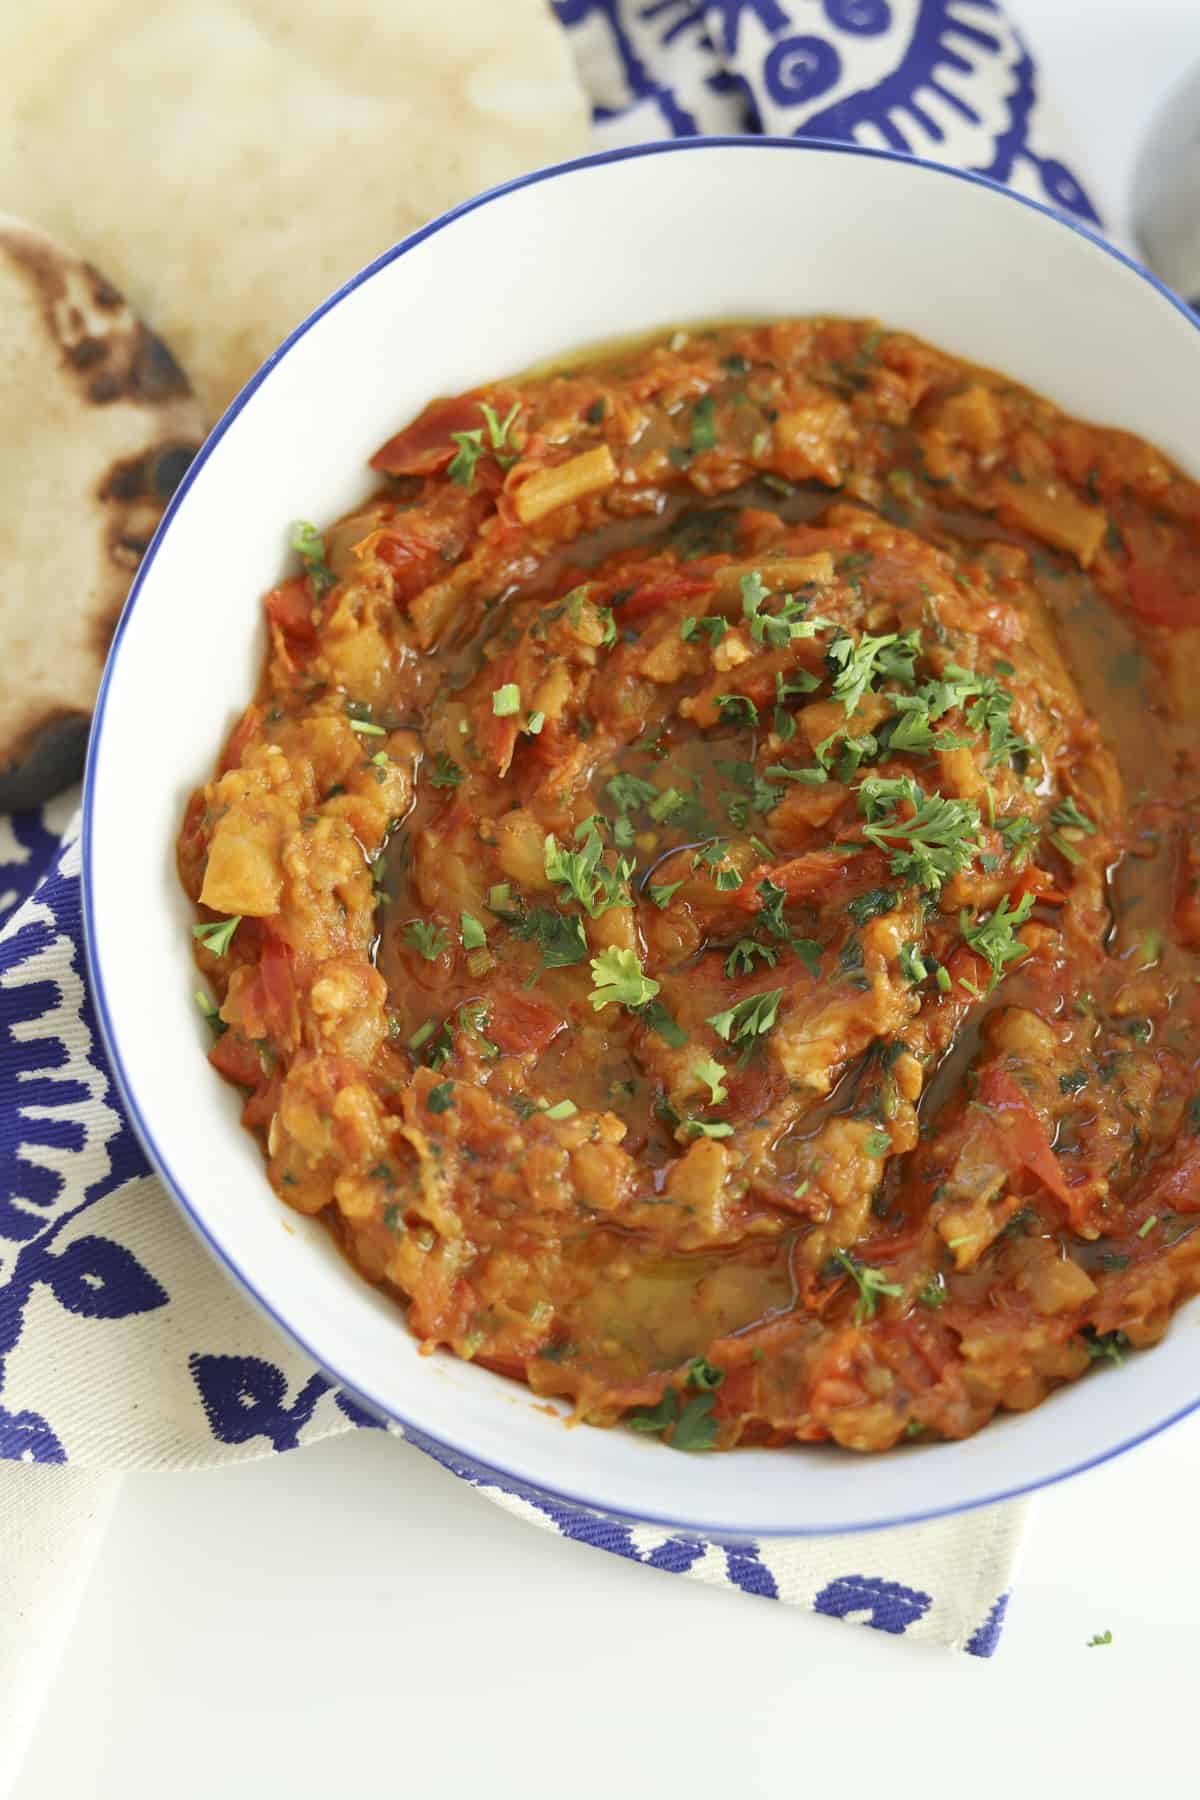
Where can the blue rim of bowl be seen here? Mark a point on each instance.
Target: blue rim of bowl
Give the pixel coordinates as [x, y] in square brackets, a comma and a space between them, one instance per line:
[460, 1459]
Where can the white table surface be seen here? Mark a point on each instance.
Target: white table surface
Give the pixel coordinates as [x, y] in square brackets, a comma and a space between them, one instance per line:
[352, 1621]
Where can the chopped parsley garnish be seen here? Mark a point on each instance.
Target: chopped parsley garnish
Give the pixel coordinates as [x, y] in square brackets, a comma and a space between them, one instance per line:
[810, 954]
[990, 713]
[741, 958]
[877, 1144]
[933, 1294]
[498, 429]
[656, 1017]
[749, 1018]
[712, 1073]
[995, 938]
[662, 891]
[471, 1020]
[629, 792]
[562, 1109]
[1105, 1346]
[810, 777]
[1073, 1083]
[428, 940]
[671, 800]
[872, 905]
[462, 465]
[714, 624]
[1017, 834]
[736, 709]
[559, 936]
[1068, 813]
[208, 1007]
[506, 700]
[773, 899]
[310, 545]
[856, 667]
[440, 1098]
[618, 979]
[928, 838]
[446, 772]
[871, 1284]
[1101, 1637]
[218, 934]
[474, 937]
[689, 1422]
[534, 723]
[584, 873]
[704, 428]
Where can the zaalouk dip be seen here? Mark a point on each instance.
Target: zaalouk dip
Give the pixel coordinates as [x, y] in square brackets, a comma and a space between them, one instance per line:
[705, 901]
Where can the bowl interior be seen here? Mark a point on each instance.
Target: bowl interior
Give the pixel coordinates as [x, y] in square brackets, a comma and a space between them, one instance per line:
[615, 245]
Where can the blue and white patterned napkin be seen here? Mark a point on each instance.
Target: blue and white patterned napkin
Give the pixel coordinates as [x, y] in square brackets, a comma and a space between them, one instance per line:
[121, 1344]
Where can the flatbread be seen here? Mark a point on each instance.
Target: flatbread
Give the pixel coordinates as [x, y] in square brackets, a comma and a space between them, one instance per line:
[98, 426]
[230, 162]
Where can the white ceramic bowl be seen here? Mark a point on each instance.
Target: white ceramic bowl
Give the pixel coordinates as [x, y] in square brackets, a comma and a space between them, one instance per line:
[686, 231]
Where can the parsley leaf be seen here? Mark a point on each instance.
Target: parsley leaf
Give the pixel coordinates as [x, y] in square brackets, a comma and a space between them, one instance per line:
[871, 1283]
[218, 934]
[446, 772]
[462, 466]
[704, 427]
[712, 1073]
[1068, 813]
[748, 1018]
[741, 958]
[871, 905]
[995, 938]
[428, 940]
[584, 873]
[498, 430]
[559, 936]
[662, 891]
[655, 1015]
[936, 839]
[439, 1099]
[857, 667]
[629, 792]
[310, 545]
[736, 709]
[773, 899]
[618, 979]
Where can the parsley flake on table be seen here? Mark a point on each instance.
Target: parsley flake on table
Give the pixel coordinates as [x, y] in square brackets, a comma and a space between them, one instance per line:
[428, 940]
[218, 934]
[618, 979]
[749, 1018]
[309, 544]
[1100, 1638]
